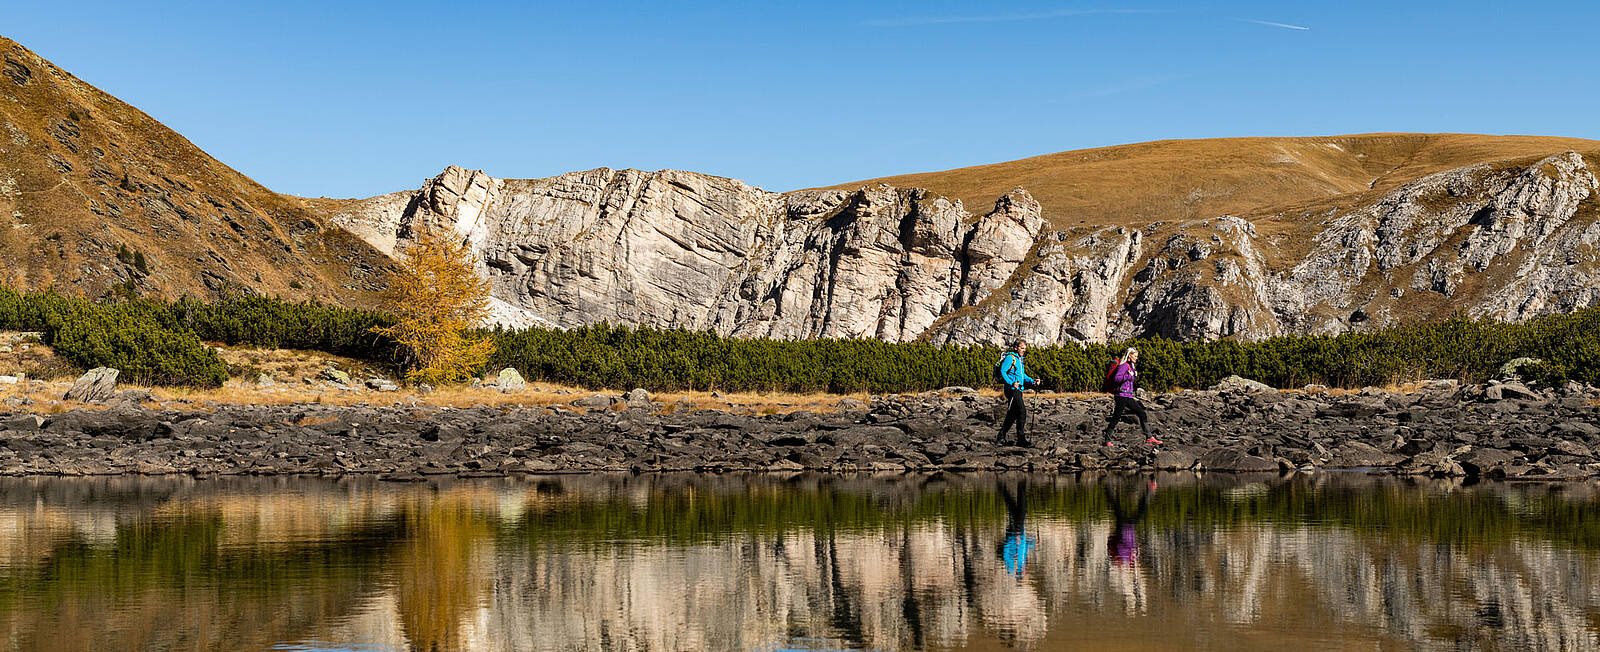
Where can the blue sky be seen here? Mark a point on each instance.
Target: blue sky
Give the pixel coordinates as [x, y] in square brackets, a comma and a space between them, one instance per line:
[356, 99]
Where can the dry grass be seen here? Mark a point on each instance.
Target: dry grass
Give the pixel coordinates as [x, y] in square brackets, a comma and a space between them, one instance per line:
[86, 173]
[1179, 180]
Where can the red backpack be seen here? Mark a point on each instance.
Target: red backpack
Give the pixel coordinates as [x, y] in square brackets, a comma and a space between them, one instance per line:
[1111, 386]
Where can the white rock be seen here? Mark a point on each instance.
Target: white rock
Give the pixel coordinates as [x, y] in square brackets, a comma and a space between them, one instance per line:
[99, 384]
[683, 250]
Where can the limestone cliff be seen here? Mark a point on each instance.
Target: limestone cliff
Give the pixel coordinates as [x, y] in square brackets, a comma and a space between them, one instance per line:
[1510, 240]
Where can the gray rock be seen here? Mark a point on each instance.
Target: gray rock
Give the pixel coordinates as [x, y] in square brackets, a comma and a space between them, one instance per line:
[595, 401]
[851, 404]
[1235, 461]
[24, 422]
[337, 376]
[637, 397]
[1510, 391]
[10, 380]
[96, 386]
[264, 380]
[1238, 383]
[1354, 454]
[135, 395]
[1173, 459]
[510, 381]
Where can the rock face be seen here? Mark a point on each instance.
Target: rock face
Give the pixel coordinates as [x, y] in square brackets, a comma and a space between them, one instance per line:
[683, 250]
[672, 249]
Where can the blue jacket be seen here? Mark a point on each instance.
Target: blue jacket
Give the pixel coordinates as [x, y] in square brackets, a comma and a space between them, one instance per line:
[1011, 370]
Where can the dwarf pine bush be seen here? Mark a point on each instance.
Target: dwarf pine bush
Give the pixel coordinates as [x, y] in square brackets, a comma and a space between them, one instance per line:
[671, 359]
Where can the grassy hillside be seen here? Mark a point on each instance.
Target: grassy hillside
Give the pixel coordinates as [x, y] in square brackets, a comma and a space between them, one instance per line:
[1134, 185]
[95, 194]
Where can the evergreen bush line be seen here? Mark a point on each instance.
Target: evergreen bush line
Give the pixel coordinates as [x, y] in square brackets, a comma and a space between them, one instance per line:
[162, 341]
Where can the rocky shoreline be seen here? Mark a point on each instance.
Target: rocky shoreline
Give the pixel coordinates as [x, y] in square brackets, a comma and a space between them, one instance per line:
[1500, 430]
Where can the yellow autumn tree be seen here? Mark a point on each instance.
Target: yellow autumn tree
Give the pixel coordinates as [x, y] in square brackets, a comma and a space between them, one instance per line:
[436, 296]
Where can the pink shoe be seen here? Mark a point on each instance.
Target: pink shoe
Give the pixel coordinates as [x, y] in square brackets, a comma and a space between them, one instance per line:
[1152, 441]
[1110, 444]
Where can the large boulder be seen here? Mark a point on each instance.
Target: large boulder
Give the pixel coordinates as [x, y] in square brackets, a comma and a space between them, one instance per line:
[1174, 459]
[97, 386]
[1232, 460]
[510, 381]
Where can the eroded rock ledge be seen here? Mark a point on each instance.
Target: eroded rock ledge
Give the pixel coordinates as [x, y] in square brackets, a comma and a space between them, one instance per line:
[1495, 431]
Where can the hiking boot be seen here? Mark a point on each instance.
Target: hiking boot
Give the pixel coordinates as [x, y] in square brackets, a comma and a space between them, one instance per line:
[1110, 444]
[1024, 443]
[1152, 440]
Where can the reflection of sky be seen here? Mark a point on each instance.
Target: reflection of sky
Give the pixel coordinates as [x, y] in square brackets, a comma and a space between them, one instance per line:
[456, 567]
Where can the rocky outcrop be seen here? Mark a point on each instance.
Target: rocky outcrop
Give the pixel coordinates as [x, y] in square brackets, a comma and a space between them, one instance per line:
[1512, 240]
[681, 250]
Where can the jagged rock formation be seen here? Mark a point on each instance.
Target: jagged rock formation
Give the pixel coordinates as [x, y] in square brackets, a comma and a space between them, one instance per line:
[1509, 240]
[678, 249]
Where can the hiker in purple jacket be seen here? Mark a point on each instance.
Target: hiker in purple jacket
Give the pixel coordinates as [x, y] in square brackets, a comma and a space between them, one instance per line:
[1126, 379]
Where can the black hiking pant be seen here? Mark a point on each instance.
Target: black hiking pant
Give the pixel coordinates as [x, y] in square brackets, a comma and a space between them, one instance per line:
[1127, 405]
[1017, 413]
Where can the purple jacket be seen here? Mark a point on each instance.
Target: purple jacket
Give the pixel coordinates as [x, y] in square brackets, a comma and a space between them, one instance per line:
[1125, 377]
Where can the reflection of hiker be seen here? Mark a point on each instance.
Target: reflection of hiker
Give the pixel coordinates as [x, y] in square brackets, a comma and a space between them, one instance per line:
[1123, 544]
[1014, 550]
[1016, 379]
[1121, 379]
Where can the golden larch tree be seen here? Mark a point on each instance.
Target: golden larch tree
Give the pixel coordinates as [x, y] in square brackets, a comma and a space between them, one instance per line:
[436, 296]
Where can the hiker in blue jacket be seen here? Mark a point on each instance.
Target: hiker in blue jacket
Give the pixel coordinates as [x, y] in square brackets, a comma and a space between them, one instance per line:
[1016, 379]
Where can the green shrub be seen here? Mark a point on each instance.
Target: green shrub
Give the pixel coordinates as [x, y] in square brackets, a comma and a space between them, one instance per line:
[619, 356]
[129, 338]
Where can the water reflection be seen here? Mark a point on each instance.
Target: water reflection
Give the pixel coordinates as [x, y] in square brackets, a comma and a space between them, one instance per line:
[797, 562]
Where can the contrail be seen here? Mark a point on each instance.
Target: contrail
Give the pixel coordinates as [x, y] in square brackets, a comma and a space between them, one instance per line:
[1272, 24]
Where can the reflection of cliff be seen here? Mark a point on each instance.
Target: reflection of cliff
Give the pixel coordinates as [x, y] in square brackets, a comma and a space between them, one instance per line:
[704, 562]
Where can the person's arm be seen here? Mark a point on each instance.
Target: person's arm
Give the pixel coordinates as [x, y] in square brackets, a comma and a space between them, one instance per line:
[1124, 373]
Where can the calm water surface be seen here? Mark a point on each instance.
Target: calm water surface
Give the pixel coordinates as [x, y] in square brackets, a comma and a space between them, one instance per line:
[809, 562]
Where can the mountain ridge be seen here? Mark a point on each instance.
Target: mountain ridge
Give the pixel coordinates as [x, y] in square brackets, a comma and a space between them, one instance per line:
[1196, 238]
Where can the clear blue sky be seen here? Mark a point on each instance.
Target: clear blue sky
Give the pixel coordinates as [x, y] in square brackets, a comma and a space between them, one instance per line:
[354, 99]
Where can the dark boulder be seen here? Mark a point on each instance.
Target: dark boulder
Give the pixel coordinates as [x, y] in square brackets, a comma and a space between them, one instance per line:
[1231, 460]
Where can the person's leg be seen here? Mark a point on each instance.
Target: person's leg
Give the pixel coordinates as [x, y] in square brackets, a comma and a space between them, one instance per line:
[1022, 420]
[1138, 410]
[1013, 400]
[1120, 405]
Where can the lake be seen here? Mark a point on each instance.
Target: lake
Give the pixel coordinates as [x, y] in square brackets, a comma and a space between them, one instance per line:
[1330, 560]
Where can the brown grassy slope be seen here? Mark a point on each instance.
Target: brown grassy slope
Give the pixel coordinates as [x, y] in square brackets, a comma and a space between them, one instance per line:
[83, 174]
[1134, 185]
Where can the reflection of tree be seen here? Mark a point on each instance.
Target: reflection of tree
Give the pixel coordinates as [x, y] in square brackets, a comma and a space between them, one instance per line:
[439, 582]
